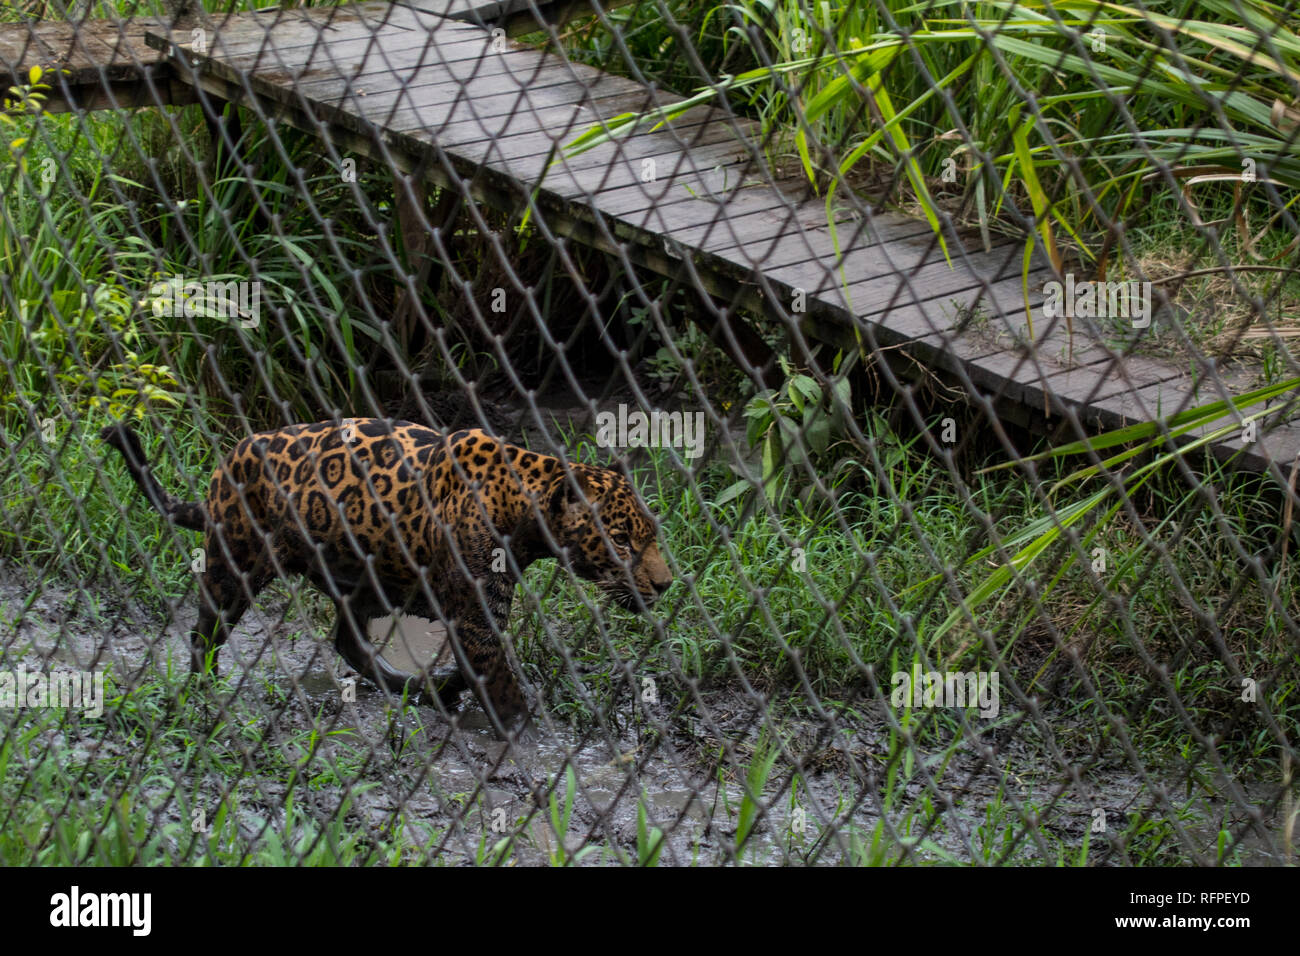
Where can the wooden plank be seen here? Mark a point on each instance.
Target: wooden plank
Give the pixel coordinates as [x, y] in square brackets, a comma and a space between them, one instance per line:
[283, 27]
[75, 48]
[488, 132]
[514, 149]
[918, 258]
[782, 213]
[929, 333]
[1053, 374]
[640, 202]
[516, 17]
[861, 250]
[577, 184]
[544, 147]
[129, 50]
[888, 289]
[627, 194]
[23, 46]
[1275, 445]
[491, 124]
[807, 222]
[964, 330]
[516, 118]
[297, 49]
[516, 144]
[423, 74]
[934, 329]
[1080, 359]
[297, 28]
[1147, 402]
[428, 87]
[659, 223]
[515, 113]
[389, 54]
[1279, 445]
[92, 64]
[305, 45]
[1029, 377]
[696, 180]
[401, 110]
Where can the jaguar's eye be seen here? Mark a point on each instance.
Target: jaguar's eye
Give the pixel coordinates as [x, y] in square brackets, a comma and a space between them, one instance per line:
[621, 540]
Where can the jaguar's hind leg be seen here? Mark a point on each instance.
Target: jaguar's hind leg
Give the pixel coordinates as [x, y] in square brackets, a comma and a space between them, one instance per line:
[223, 599]
[361, 655]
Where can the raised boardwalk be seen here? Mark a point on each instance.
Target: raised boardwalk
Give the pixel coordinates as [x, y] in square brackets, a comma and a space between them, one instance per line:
[428, 86]
[99, 64]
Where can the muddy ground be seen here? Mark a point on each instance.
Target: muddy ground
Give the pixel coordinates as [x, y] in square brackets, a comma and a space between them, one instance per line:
[453, 778]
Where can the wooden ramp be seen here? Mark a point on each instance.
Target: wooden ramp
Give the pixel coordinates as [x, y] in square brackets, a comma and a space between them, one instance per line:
[93, 64]
[426, 85]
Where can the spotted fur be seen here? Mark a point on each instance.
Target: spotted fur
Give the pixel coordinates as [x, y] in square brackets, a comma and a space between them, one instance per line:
[387, 515]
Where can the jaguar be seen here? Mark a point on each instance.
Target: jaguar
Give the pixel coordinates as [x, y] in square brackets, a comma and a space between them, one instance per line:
[387, 516]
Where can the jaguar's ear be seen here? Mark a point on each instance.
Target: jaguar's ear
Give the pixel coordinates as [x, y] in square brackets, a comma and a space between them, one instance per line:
[566, 498]
[621, 463]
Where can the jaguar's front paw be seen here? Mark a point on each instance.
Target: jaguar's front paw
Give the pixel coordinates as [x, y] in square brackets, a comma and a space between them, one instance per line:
[525, 731]
[511, 718]
[447, 685]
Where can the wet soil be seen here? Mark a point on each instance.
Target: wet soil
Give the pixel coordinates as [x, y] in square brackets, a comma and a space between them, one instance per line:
[1002, 793]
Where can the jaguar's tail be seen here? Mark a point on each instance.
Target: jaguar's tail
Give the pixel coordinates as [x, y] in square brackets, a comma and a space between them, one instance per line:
[187, 514]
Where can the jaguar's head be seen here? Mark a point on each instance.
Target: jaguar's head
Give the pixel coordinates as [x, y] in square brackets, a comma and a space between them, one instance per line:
[609, 535]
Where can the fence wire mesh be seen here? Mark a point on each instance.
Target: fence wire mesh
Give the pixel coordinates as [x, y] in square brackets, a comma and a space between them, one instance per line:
[886, 447]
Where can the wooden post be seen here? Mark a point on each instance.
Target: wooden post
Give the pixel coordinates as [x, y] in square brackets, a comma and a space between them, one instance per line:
[417, 239]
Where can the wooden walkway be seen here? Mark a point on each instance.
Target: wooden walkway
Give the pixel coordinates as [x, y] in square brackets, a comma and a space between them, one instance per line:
[424, 84]
[99, 65]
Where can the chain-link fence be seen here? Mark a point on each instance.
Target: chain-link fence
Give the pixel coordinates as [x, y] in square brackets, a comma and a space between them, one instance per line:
[884, 458]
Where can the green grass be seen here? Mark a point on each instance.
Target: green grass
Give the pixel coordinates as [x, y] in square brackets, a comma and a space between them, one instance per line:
[85, 245]
[1182, 92]
[129, 803]
[1216, 312]
[72, 510]
[810, 583]
[739, 610]
[834, 614]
